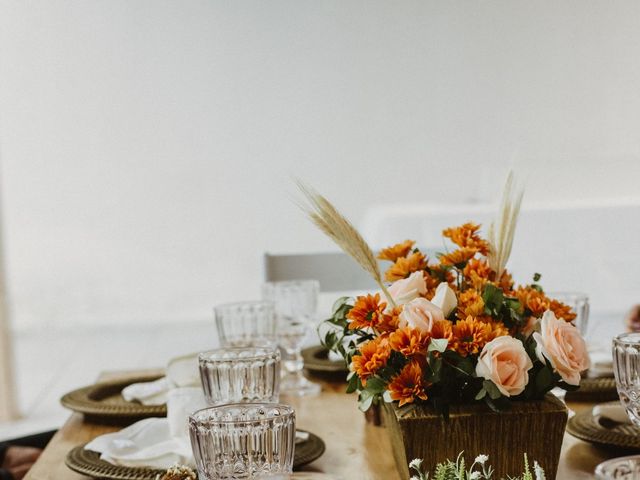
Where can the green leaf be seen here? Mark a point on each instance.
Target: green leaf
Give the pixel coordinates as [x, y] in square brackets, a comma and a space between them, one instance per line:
[438, 345]
[493, 299]
[339, 303]
[491, 389]
[365, 400]
[352, 385]
[376, 385]
[544, 380]
[481, 394]
[536, 277]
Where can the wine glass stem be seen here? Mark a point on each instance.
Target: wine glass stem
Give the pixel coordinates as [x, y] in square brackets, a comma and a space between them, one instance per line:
[293, 361]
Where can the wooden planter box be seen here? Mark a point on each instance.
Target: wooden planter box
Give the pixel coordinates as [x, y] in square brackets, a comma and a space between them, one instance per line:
[534, 428]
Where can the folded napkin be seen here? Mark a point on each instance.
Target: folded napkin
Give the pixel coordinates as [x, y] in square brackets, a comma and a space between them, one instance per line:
[180, 372]
[612, 412]
[154, 442]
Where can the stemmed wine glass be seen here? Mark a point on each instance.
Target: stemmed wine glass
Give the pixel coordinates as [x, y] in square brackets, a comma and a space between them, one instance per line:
[295, 305]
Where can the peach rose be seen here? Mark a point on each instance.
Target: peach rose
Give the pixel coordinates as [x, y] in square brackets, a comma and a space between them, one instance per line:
[407, 289]
[420, 314]
[445, 298]
[561, 343]
[505, 362]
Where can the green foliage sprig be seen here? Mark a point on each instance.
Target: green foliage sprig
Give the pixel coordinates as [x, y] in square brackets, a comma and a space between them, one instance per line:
[479, 470]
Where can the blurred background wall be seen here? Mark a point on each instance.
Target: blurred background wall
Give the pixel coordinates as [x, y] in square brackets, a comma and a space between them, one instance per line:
[147, 148]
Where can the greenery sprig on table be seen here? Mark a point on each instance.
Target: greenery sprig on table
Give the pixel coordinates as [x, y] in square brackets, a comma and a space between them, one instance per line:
[479, 470]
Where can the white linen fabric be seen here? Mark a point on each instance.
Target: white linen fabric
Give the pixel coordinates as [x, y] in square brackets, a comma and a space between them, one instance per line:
[615, 413]
[154, 442]
[180, 372]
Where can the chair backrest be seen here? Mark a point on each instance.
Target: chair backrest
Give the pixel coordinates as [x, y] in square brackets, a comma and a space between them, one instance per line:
[336, 272]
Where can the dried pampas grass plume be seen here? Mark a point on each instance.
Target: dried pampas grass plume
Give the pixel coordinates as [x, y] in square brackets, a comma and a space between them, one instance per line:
[339, 229]
[503, 228]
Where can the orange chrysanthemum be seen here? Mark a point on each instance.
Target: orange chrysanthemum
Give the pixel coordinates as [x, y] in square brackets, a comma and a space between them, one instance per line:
[389, 321]
[409, 341]
[408, 385]
[533, 300]
[506, 282]
[497, 329]
[470, 336]
[477, 272]
[396, 251]
[373, 356]
[562, 310]
[405, 266]
[470, 303]
[458, 257]
[368, 311]
[442, 329]
[466, 236]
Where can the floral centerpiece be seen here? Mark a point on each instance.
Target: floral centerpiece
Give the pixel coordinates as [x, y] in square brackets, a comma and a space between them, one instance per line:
[452, 328]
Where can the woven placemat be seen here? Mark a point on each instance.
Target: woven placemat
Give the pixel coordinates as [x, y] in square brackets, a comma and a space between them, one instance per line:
[103, 402]
[601, 389]
[586, 427]
[87, 462]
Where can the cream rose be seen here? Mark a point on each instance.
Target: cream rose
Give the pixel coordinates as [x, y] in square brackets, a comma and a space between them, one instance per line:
[420, 314]
[561, 343]
[445, 298]
[407, 289]
[505, 362]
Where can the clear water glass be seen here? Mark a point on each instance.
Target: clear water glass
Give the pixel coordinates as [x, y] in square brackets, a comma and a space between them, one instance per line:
[238, 441]
[579, 303]
[295, 307]
[626, 368]
[246, 324]
[623, 468]
[240, 374]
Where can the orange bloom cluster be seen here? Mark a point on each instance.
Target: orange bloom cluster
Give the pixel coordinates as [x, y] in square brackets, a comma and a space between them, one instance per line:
[472, 334]
[405, 266]
[466, 236]
[373, 356]
[409, 341]
[368, 311]
[470, 303]
[562, 310]
[408, 385]
[477, 272]
[396, 251]
[458, 257]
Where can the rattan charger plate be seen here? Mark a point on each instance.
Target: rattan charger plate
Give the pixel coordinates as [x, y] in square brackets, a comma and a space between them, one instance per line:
[601, 389]
[316, 359]
[87, 462]
[586, 427]
[103, 402]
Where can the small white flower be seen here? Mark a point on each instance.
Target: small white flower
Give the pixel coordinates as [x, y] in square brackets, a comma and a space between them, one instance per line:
[475, 475]
[414, 478]
[481, 459]
[416, 464]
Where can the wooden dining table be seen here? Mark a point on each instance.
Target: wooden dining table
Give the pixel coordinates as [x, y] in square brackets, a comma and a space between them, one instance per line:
[355, 449]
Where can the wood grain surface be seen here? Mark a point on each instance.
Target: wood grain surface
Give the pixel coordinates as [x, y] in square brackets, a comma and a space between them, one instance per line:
[355, 449]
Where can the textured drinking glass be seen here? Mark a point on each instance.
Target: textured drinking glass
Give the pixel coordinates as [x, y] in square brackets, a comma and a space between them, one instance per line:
[240, 374]
[579, 303]
[246, 324]
[626, 368]
[295, 307]
[623, 468]
[248, 440]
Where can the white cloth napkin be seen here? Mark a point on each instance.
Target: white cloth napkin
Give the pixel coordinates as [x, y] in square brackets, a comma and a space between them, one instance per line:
[180, 372]
[601, 363]
[154, 442]
[613, 412]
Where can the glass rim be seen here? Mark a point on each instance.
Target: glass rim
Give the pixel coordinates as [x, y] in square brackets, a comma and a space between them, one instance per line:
[290, 412]
[574, 294]
[292, 283]
[243, 303]
[270, 351]
[602, 465]
[620, 338]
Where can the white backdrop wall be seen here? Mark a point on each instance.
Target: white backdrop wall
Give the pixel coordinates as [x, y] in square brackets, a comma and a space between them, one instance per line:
[147, 147]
